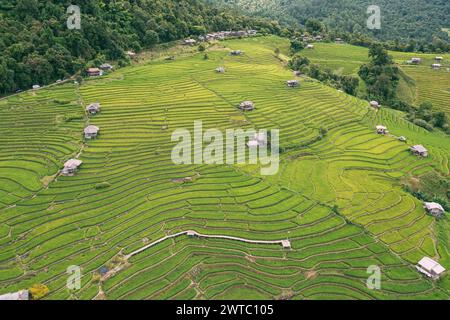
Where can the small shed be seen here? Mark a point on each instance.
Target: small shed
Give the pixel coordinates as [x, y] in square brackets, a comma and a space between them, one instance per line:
[247, 106]
[91, 132]
[236, 53]
[36, 86]
[19, 295]
[292, 83]
[286, 244]
[339, 41]
[439, 58]
[375, 104]
[436, 66]
[310, 46]
[402, 139]
[220, 70]
[434, 208]
[430, 268]
[106, 67]
[191, 233]
[94, 72]
[189, 42]
[416, 60]
[419, 150]
[131, 54]
[71, 166]
[93, 108]
[381, 129]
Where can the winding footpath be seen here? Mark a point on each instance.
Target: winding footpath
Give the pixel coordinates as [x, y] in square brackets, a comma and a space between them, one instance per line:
[284, 243]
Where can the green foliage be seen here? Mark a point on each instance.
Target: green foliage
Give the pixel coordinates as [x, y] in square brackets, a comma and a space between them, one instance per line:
[406, 25]
[380, 75]
[102, 185]
[38, 48]
[297, 45]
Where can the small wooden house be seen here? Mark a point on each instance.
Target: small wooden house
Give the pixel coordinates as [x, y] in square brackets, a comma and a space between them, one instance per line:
[381, 129]
[318, 38]
[434, 209]
[297, 73]
[106, 67]
[189, 42]
[220, 70]
[91, 132]
[36, 86]
[436, 66]
[94, 72]
[416, 60]
[236, 53]
[339, 41]
[286, 244]
[419, 150]
[430, 268]
[375, 104]
[439, 59]
[131, 54]
[93, 108]
[247, 106]
[402, 139]
[310, 46]
[293, 83]
[71, 166]
[191, 233]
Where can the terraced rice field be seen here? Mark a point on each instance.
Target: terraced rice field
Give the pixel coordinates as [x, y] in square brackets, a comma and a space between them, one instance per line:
[51, 222]
[427, 84]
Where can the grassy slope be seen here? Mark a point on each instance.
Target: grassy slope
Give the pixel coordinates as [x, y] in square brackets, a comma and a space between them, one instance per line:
[418, 84]
[71, 222]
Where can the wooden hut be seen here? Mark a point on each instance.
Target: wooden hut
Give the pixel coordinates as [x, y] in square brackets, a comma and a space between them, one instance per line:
[419, 150]
[93, 108]
[220, 70]
[293, 83]
[94, 72]
[71, 166]
[436, 66]
[375, 104]
[430, 268]
[381, 129]
[434, 208]
[247, 106]
[91, 132]
[236, 53]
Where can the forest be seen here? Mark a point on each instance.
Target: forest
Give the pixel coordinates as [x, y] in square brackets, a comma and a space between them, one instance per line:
[38, 48]
[416, 24]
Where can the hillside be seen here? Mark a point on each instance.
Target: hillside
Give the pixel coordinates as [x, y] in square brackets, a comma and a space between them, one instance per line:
[420, 83]
[337, 196]
[37, 47]
[418, 20]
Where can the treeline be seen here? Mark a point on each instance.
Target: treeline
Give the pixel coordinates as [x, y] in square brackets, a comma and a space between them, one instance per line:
[37, 47]
[405, 25]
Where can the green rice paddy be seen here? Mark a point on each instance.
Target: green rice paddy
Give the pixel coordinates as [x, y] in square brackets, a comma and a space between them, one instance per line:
[50, 222]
